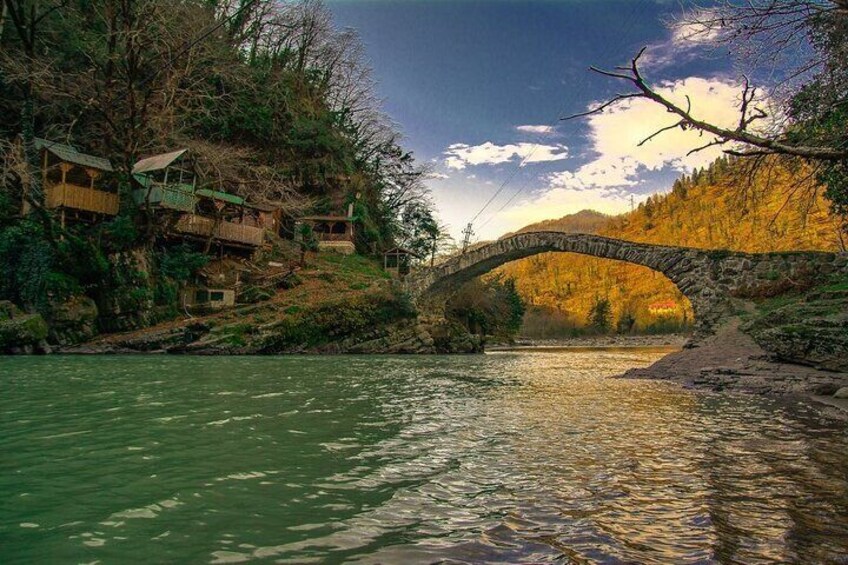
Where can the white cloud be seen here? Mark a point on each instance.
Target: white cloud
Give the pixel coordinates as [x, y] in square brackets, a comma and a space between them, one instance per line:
[539, 130]
[688, 37]
[438, 176]
[617, 132]
[600, 173]
[694, 32]
[459, 155]
[606, 182]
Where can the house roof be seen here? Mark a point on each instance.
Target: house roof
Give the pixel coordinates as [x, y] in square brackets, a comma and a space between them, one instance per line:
[71, 155]
[223, 196]
[157, 162]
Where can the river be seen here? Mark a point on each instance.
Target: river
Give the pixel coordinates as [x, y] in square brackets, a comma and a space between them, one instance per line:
[511, 457]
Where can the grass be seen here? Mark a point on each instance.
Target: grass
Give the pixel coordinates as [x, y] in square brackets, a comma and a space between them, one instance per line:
[353, 265]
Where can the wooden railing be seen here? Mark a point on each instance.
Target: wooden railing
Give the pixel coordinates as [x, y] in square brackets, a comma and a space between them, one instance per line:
[174, 197]
[333, 237]
[225, 231]
[81, 198]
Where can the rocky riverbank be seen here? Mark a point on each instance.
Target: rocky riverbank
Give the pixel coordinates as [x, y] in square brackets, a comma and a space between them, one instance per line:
[795, 343]
[375, 319]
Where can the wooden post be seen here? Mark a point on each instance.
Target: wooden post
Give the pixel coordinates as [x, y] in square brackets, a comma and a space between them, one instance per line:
[64, 167]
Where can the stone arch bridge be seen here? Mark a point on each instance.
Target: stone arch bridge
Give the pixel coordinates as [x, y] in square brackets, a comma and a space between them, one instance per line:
[709, 279]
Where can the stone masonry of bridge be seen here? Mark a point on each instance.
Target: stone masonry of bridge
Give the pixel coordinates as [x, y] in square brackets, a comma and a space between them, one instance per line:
[709, 279]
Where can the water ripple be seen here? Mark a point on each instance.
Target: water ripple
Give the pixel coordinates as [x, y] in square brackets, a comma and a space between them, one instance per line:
[530, 457]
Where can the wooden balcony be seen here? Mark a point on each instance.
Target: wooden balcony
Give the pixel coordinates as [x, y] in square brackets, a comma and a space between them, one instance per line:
[228, 232]
[333, 236]
[67, 195]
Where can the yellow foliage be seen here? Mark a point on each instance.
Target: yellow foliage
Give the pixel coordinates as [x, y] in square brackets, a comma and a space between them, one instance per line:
[775, 208]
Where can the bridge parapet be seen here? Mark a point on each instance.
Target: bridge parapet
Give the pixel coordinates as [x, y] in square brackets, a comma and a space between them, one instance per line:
[709, 279]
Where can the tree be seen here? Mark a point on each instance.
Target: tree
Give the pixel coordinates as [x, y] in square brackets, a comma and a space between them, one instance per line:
[307, 242]
[600, 316]
[812, 92]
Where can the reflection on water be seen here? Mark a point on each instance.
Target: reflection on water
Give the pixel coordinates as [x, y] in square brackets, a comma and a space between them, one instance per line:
[512, 457]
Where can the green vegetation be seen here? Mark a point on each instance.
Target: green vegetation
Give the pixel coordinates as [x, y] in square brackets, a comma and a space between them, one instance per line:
[600, 316]
[274, 104]
[809, 326]
[310, 327]
[490, 306]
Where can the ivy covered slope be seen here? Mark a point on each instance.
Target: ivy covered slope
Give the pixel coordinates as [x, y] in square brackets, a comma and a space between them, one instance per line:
[808, 326]
[275, 106]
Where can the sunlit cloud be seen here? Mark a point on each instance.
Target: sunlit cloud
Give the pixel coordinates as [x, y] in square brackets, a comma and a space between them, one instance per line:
[618, 165]
[459, 155]
[538, 130]
[616, 134]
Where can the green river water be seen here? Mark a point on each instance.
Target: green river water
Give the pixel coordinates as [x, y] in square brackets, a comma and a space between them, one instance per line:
[511, 457]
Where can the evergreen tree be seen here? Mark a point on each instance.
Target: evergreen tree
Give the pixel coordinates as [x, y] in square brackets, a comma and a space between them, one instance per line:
[600, 316]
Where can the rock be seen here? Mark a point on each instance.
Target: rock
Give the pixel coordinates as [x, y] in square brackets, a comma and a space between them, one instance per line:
[841, 393]
[19, 332]
[73, 321]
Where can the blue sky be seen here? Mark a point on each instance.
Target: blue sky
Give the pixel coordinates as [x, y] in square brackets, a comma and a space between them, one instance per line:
[478, 85]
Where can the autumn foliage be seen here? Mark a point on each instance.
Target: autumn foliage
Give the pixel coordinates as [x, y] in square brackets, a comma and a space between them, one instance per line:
[727, 205]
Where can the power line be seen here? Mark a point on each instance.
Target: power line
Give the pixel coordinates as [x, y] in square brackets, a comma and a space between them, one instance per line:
[630, 24]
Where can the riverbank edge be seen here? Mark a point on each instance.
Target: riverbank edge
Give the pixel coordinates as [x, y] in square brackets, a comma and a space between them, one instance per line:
[731, 361]
[592, 342]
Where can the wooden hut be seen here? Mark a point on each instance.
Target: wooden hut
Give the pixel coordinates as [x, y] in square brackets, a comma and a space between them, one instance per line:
[203, 298]
[334, 233]
[166, 181]
[398, 261]
[79, 185]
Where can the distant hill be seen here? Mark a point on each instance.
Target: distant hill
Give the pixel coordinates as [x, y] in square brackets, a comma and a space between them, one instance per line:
[724, 206]
[585, 221]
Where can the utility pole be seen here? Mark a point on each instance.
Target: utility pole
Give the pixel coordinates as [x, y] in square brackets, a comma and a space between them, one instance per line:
[467, 233]
[632, 207]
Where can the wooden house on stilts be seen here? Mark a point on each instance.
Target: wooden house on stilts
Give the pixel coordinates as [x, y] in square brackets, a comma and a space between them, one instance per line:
[168, 182]
[80, 186]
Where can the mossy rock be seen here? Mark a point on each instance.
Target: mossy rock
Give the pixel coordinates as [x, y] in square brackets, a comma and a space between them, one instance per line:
[22, 331]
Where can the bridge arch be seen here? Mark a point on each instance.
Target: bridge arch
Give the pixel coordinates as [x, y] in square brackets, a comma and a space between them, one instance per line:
[709, 279]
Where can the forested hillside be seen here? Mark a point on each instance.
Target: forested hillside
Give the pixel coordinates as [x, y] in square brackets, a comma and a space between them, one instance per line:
[728, 205]
[275, 108]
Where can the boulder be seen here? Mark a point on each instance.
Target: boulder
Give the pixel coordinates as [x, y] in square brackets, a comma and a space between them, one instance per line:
[73, 321]
[20, 332]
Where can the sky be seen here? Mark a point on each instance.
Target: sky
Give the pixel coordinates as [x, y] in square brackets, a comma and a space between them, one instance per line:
[478, 88]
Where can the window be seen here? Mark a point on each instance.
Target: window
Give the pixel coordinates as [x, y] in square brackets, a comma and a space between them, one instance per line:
[201, 296]
[216, 296]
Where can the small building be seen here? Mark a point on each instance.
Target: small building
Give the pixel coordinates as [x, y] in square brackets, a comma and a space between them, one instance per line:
[334, 233]
[664, 308]
[398, 261]
[79, 185]
[168, 182]
[203, 298]
[265, 216]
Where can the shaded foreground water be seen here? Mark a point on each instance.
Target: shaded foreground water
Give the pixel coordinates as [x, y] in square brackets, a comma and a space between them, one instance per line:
[510, 457]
